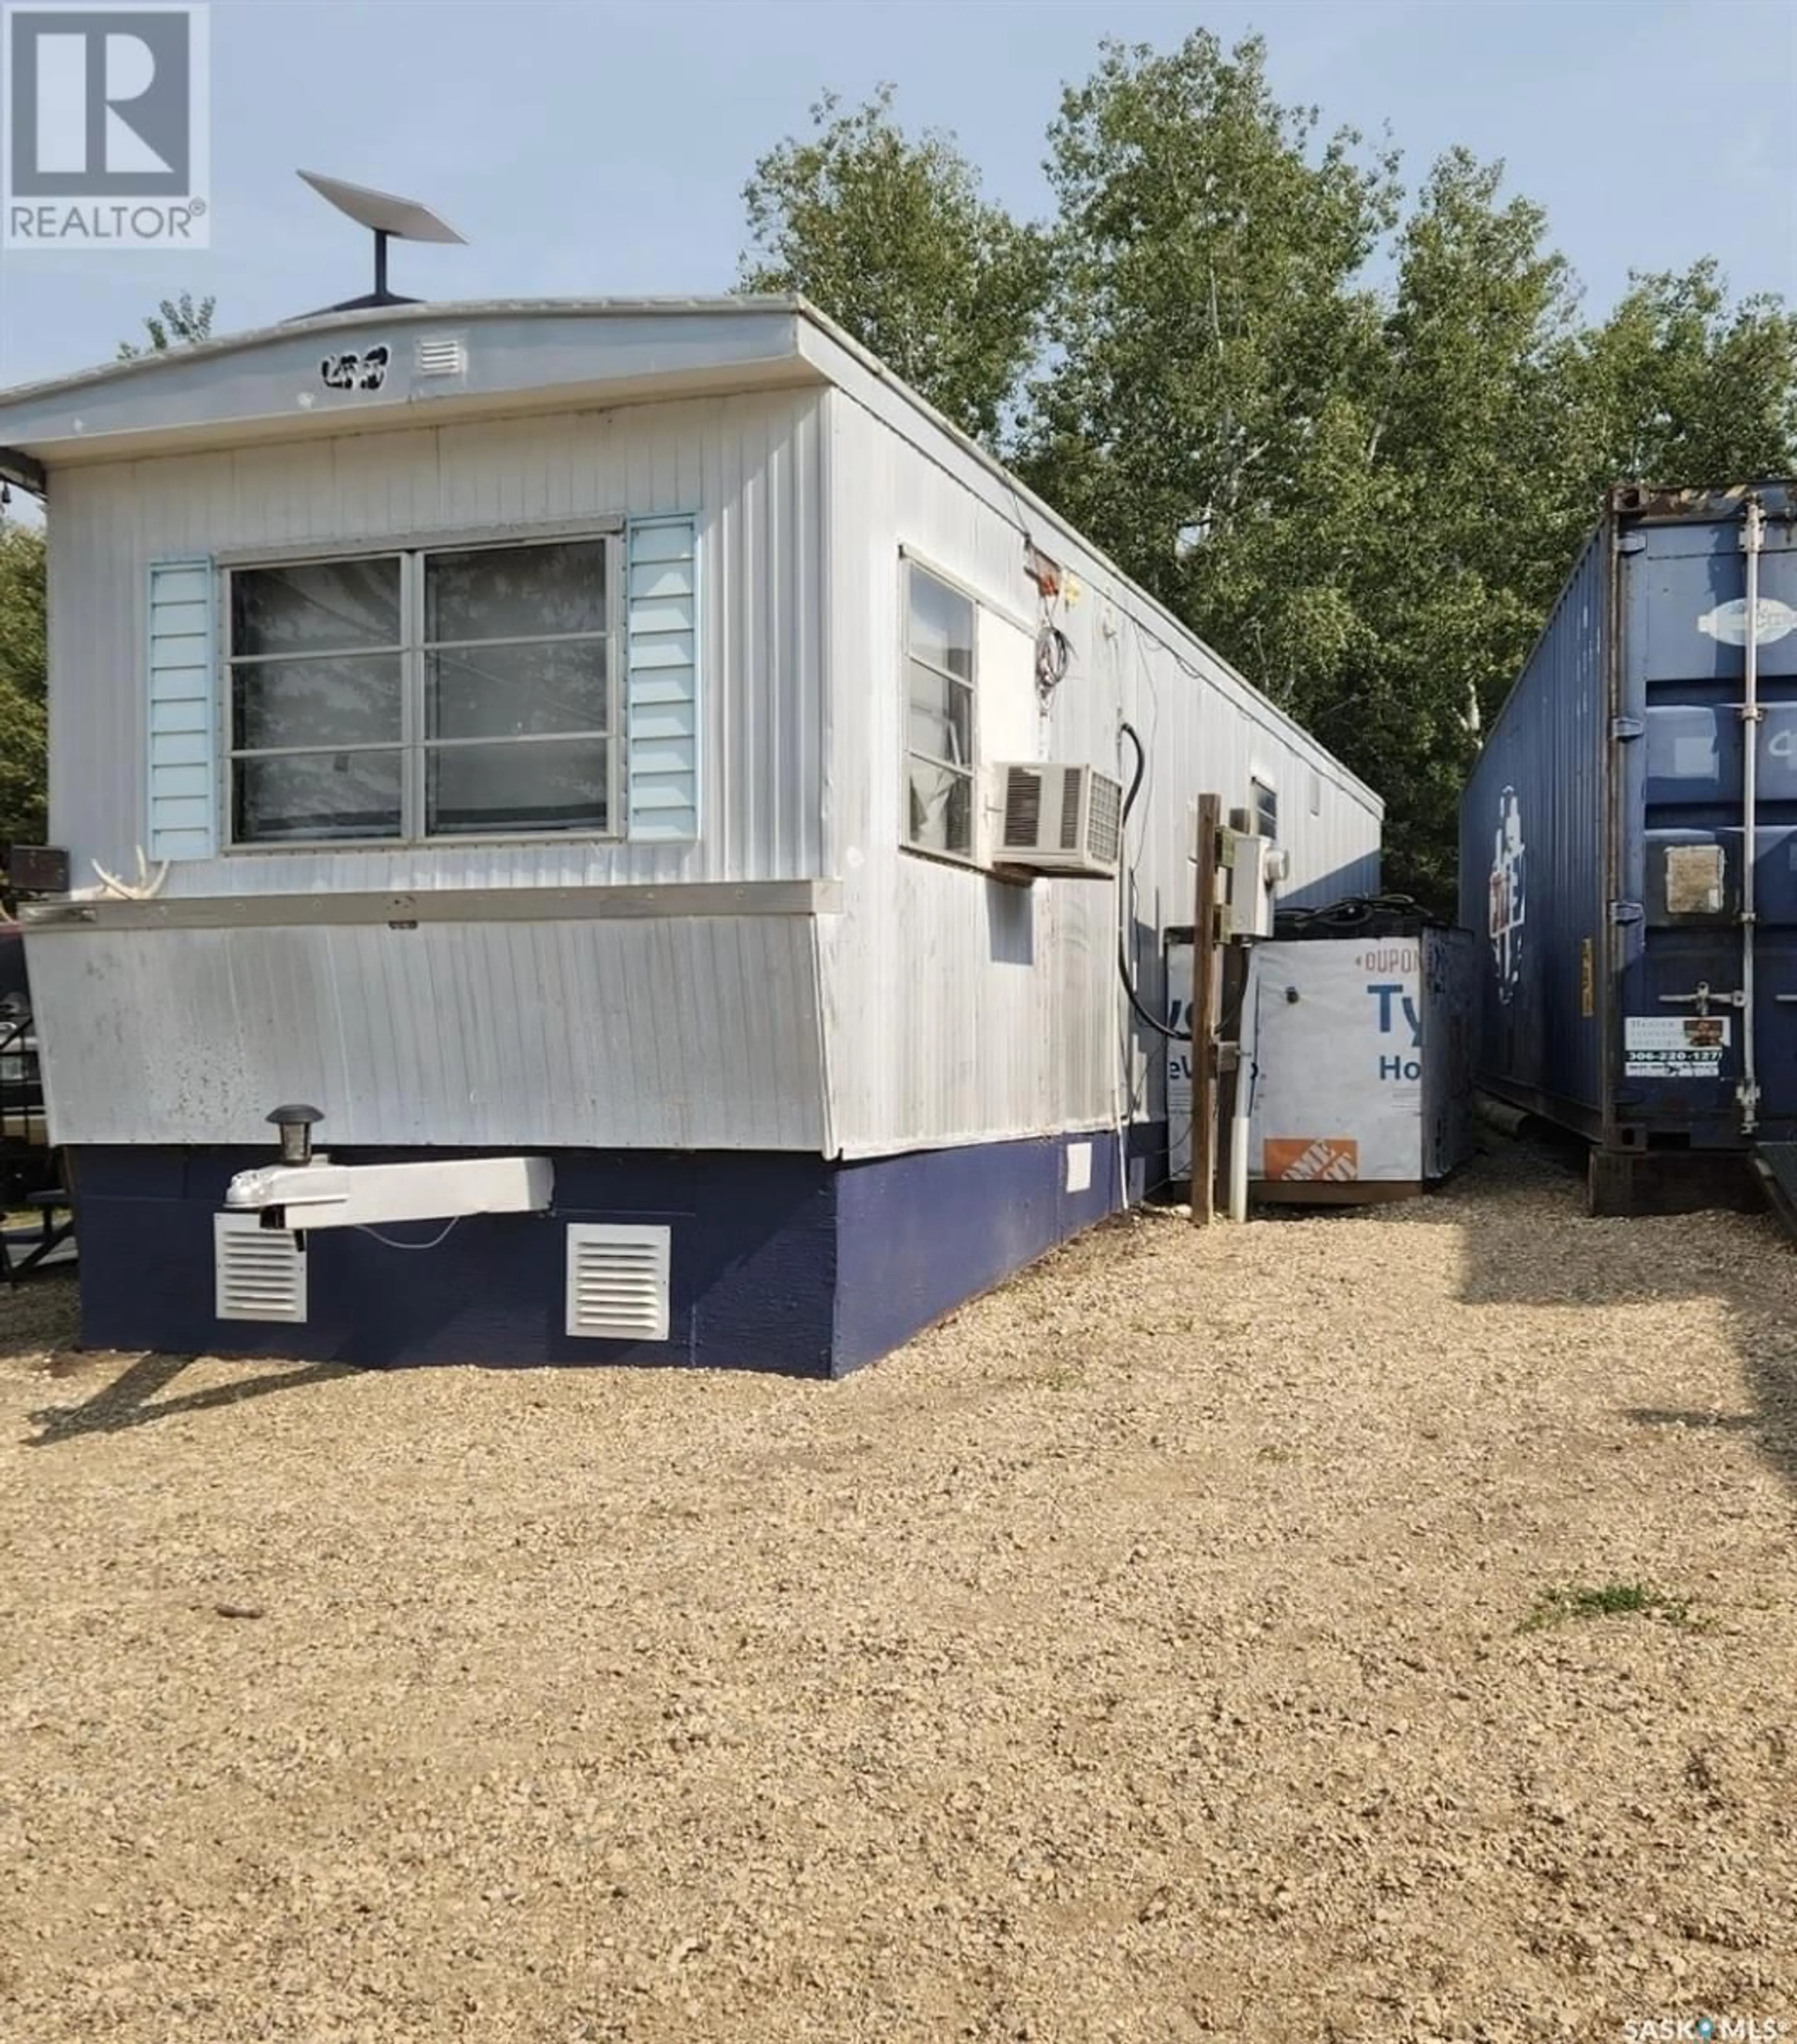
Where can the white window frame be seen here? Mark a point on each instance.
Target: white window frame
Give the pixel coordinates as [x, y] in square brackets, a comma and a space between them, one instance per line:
[1258, 783]
[413, 653]
[911, 563]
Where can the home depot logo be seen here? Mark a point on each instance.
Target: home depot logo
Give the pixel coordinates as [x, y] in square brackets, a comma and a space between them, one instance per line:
[1326, 1159]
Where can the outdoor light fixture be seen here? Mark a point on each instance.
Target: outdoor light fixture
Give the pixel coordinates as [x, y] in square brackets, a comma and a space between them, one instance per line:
[295, 1125]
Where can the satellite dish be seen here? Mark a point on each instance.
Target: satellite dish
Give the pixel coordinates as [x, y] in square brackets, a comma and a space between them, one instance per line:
[389, 219]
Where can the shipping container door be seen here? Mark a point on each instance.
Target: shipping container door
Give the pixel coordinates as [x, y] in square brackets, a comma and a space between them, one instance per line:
[1681, 743]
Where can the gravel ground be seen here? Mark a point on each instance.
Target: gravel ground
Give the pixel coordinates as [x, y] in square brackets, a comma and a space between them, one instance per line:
[1139, 1655]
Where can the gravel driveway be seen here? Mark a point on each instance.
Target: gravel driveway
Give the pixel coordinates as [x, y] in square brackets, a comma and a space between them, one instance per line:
[1144, 1654]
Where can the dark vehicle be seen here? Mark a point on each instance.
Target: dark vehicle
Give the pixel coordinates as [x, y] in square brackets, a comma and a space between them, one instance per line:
[1628, 845]
[27, 1165]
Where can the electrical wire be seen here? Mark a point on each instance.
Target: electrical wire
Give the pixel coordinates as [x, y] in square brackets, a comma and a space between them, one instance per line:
[1351, 914]
[1055, 654]
[387, 1242]
[1173, 1035]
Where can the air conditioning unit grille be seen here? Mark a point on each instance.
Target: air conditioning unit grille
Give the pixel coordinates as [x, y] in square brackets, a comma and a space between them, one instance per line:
[1104, 826]
[259, 1274]
[1023, 809]
[1070, 779]
[617, 1282]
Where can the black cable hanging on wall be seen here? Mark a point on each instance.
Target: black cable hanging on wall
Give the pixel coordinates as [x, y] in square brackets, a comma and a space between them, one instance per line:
[1160, 1028]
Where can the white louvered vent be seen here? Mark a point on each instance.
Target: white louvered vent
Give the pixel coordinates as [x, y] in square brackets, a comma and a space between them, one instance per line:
[258, 1273]
[618, 1282]
[440, 355]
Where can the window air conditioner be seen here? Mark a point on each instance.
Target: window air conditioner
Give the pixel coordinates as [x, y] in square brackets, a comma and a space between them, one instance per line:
[1052, 819]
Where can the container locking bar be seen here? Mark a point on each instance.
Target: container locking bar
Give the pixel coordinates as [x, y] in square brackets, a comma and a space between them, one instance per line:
[1705, 994]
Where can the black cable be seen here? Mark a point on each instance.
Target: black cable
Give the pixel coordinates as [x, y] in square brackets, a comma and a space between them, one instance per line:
[1352, 914]
[1160, 1028]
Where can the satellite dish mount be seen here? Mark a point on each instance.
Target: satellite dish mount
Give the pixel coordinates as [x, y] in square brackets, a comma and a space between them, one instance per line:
[388, 219]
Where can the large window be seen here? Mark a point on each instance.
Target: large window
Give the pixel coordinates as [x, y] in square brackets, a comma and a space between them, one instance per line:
[456, 693]
[939, 677]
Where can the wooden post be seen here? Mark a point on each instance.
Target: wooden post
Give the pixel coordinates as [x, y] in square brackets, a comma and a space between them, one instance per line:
[1206, 981]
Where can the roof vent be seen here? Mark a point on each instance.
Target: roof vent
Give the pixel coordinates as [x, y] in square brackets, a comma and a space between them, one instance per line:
[258, 1273]
[438, 355]
[618, 1282]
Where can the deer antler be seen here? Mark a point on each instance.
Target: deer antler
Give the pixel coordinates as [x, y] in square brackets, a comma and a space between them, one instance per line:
[144, 888]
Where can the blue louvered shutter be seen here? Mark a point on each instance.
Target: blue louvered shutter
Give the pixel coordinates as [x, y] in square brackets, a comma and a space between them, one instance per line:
[663, 670]
[183, 714]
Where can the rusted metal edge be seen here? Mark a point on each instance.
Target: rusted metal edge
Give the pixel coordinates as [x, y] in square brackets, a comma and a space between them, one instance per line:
[1650, 502]
[445, 904]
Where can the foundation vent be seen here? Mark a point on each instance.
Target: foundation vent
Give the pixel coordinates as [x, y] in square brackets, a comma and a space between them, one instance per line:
[618, 1282]
[258, 1273]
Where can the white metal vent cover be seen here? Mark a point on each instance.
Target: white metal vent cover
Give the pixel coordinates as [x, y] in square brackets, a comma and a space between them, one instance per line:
[618, 1281]
[440, 355]
[258, 1273]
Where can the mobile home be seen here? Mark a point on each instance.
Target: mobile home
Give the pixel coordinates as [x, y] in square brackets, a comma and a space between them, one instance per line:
[564, 746]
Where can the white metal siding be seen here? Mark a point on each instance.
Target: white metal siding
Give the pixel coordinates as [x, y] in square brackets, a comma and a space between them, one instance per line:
[697, 1032]
[746, 467]
[959, 1008]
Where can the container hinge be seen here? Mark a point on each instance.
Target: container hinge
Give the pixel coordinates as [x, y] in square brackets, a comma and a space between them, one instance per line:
[1622, 727]
[1624, 912]
[1632, 543]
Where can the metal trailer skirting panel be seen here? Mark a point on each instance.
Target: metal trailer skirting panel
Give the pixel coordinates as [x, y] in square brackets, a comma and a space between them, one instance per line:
[1603, 846]
[776, 1261]
[684, 1033]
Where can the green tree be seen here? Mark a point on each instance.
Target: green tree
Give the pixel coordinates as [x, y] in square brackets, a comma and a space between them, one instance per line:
[1213, 329]
[175, 323]
[1354, 441]
[893, 239]
[1470, 478]
[1678, 385]
[21, 685]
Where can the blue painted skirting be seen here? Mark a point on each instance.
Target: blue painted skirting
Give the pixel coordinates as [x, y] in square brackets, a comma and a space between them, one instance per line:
[779, 1261]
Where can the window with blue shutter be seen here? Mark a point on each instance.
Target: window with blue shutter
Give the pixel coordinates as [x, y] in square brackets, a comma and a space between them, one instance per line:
[183, 715]
[663, 679]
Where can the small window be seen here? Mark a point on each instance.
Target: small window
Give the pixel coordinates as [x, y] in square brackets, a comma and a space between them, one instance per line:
[939, 637]
[1264, 807]
[467, 692]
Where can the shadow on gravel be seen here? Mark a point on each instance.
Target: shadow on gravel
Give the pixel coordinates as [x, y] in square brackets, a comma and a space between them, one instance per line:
[133, 1398]
[39, 1321]
[1745, 1261]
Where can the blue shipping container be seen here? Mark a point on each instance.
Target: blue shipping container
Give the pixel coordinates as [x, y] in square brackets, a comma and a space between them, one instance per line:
[1641, 972]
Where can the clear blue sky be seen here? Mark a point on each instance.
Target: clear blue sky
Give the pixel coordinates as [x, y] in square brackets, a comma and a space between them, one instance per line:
[600, 146]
